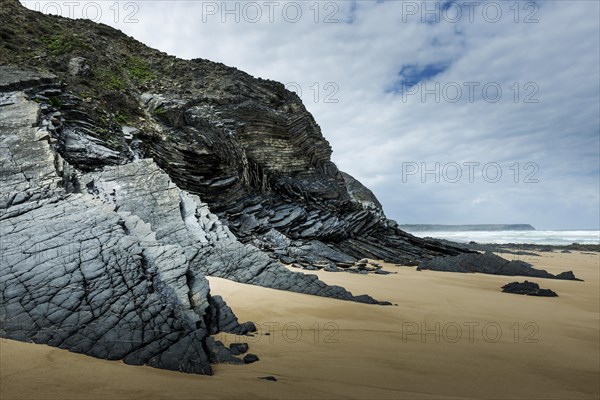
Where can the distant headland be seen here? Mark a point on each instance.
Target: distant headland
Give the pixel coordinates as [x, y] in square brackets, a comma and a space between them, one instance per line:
[466, 228]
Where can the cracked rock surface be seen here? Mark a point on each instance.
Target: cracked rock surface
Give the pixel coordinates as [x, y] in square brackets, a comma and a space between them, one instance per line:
[127, 176]
[116, 270]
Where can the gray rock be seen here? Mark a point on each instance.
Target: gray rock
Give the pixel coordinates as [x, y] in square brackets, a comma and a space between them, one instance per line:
[567, 275]
[13, 78]
[78, 67]
[80, 274]
[488, 263]
[250, 358]
[527, 288]
[238, 348]
[268, 378]
[105, 252]
[221, 354]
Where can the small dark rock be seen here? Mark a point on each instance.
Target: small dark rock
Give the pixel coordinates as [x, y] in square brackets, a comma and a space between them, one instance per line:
[527, 288]
[246, 327]
[382, 272]
[545, 293]
[238, 348]
[568, 275]
[268, 378]
[250, 358]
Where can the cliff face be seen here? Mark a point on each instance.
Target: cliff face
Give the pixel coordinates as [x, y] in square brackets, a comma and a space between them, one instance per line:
[112, 262]
[128, 175]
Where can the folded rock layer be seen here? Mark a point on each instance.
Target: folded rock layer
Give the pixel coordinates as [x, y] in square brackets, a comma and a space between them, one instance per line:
[128, 175]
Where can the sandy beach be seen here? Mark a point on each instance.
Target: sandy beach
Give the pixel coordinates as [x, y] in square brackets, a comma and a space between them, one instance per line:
[450, 336]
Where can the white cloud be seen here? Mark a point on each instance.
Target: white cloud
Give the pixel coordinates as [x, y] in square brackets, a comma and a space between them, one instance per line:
[373, 132]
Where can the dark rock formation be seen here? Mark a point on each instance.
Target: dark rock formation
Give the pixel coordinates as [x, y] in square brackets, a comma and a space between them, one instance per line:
[489, 263]
[527, 288]
[219, 354]
[568, 276]
[238, 348]
[222, 319]
[127, 176]
[361, 194]
[78, 273]
[362, 266]
[246, 146]
[260, 162]
[250, 358]
[111, 263]
[268, 378]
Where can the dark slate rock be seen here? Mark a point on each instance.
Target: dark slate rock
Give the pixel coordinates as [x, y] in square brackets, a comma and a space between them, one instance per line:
[218, 353]
[106, 253]
[268, 378]
[527, 288]
[250, 358]
[488, 263]
[567, 275]
[222, 319]
[383, 272]
[238, 348]
[14, 78]
[82, 275]
[246, 328]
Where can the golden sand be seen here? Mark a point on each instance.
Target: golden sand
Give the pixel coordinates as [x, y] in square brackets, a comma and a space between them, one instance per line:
[451, 336]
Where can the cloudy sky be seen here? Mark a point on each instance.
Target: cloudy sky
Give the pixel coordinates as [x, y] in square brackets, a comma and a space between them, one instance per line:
[451, 112]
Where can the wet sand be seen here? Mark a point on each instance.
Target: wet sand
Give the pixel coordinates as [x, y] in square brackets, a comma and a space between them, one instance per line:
[451, 336]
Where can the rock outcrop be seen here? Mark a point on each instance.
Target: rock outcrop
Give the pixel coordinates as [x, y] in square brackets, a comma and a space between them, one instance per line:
[489, 263]
[127, 176]
[78, 273]
[112, 263]
[246, 146]
[527, 288]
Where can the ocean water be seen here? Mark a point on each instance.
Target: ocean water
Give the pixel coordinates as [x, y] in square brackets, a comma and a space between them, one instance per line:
[536, 237]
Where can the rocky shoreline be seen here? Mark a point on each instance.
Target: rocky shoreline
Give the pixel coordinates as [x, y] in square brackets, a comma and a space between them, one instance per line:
[128, 176]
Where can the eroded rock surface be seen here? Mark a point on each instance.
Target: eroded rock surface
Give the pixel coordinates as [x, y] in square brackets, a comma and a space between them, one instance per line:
[259, 160]
[112, 263]
[246, 146]
[489, 263]
[77, 274]
[528, 288]
[128, 175]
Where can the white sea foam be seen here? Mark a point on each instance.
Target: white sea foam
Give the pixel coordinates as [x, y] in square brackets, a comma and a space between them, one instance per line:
[537, 237]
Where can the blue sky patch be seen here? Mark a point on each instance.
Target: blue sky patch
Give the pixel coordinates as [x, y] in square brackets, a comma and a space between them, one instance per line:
[411, 75]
